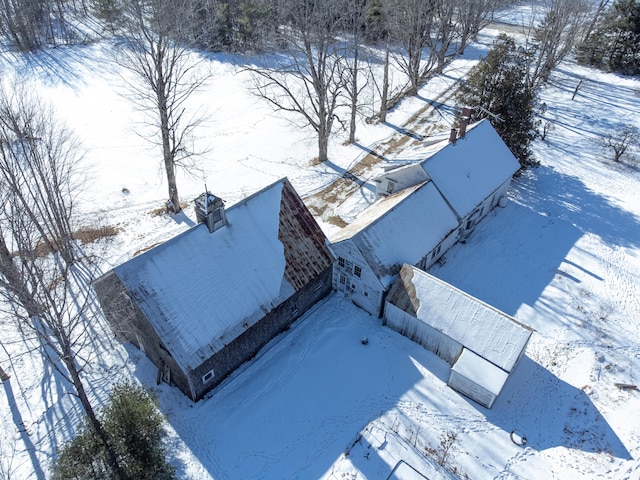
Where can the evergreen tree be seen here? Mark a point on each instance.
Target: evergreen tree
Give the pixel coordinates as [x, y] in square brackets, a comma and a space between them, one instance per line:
[496, 88]
[134, 428]
[615, 43]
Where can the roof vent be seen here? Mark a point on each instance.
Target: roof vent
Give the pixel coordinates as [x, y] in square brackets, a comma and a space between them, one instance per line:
[210, 210]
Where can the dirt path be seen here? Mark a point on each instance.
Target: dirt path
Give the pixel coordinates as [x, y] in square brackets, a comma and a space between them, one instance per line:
[419, 126]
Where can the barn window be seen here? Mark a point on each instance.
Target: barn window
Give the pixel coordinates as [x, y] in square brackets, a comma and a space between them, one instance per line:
[341, 262]
[343, 280]
[208, 376]
[357, 271]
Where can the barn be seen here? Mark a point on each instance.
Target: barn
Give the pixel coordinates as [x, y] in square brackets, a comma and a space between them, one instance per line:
[204, 302]
[482, 344]
[412, 226]
[472, 171]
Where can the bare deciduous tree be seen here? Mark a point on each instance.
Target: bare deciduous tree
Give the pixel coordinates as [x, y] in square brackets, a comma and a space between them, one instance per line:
[310, 81]
[555, 37]
[43, 284]
[167, 76]
[412, 23]
[620, 139]
[353, 69]
[473, 15]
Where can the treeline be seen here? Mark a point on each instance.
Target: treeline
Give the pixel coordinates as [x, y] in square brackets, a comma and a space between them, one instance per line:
[249, 25]
[614, 42]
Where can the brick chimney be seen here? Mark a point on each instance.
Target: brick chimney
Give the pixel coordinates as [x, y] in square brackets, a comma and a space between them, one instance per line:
[463, 127]
[453, 136]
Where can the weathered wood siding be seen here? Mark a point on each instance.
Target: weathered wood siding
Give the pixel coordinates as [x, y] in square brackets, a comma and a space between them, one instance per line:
[365, 290]
[408, 325]
[471, 390]
[248, 344]
[131, 325]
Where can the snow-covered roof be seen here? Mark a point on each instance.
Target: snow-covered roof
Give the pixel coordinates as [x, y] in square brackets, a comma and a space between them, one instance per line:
[400, 228]
[200, 290]
[480, 371]
[469, 170]
[479, 327]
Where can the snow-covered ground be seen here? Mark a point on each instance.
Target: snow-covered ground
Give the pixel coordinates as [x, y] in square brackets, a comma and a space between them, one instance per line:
[562, 257]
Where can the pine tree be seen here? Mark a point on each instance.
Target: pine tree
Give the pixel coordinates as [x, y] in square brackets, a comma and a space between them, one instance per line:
[134, 427]
[615, 43]
[496, 88]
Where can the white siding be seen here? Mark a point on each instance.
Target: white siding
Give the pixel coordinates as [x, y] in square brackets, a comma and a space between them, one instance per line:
[471, 390]
[477, 378]
[418, 331]
[365, 290]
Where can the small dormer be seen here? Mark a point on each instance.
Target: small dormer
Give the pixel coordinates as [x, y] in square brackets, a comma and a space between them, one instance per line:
[210, 210]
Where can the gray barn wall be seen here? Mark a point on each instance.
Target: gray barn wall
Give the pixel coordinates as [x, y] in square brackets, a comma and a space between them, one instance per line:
[140, 332]
[406, 324]
[249, 343]
[131, 325]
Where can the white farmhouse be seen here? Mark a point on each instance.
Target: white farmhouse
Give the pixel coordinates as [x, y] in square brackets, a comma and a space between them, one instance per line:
[482, 344]
[423, 208]
[412, 226]
[472, 172]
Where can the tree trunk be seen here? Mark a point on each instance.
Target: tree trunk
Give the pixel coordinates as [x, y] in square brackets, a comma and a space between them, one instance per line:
[354, 97]
[165, 130]
[384, 100]
[14, 280]
[3, 375]
[112, 459]
[323, 146]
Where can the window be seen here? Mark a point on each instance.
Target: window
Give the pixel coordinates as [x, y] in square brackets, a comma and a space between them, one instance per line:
[341, 262]
[357, 271]
[343, 280]
[436, 252]
[391, 186]
[208, 376]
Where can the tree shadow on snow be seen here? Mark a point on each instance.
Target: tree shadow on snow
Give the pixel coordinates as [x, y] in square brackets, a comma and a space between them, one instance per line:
[569, 199]
[524, 246]
[291, 411]
[552, 413]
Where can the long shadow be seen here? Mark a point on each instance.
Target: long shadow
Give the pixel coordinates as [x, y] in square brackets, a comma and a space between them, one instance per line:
[344, 173]
[569, 199]
[66, 65]
[24, 434]
[534, 240]
[404, 131]
[308, 389]
[371, 152]
[551, 413]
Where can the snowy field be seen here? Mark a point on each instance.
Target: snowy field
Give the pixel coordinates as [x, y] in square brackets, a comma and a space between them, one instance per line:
[562, 257]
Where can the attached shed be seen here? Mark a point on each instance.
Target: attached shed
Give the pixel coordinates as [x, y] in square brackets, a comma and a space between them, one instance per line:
[472, 173]
[206, 301]
[412, 226]
[483, 344]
